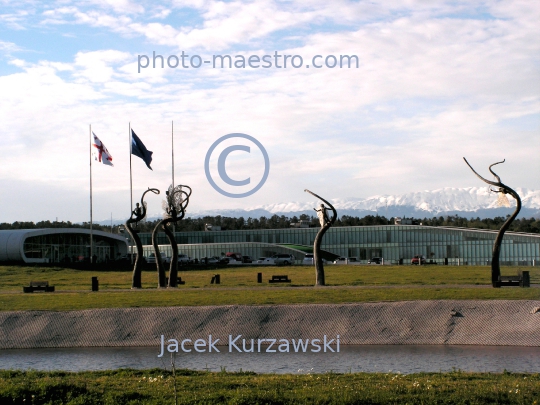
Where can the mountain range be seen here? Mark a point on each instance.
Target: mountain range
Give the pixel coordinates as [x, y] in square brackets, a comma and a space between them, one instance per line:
[469, 202]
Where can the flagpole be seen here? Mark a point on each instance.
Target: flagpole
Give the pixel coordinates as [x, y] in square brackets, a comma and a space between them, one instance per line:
[130, 175]
[91, 217]
[172, 157]
[130, 186]
[172, 149]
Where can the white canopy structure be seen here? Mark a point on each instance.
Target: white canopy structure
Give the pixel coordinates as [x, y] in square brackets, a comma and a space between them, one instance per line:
[56, 245]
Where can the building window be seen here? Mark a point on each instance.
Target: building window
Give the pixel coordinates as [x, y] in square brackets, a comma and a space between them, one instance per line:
[363, 254]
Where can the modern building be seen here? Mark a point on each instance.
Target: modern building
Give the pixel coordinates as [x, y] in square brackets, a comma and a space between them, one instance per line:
[58, 245]
[395, 243]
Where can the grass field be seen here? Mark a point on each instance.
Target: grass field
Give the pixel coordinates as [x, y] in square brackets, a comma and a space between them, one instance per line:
[12, 278]
[157, 387]
[239, 287]
[257, 296]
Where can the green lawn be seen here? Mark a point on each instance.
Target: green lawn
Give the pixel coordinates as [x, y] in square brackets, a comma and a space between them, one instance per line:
[220, 296]
[12, 278]
[157, 387]
[239, 287]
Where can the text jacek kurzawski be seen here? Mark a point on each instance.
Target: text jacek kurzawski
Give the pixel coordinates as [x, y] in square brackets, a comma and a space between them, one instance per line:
[242, 345]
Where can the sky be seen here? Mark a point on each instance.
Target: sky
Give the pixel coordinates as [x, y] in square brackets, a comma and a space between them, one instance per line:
[434, 81]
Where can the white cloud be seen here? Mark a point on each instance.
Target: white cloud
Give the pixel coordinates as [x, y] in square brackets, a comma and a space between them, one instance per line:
[431, 88]
[98, 66]
[8, 47]
[161, 12]
[120, 6]
[14, 20]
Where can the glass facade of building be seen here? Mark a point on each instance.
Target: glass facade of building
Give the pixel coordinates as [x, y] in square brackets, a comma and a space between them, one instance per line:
[57, 247]
[254, 250]
[395, 243]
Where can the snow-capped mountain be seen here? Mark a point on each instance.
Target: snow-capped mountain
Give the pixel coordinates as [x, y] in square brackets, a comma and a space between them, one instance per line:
[467, 202]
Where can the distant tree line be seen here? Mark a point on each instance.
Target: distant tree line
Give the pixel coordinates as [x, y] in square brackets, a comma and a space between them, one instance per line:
[49, 224]
[530, 225]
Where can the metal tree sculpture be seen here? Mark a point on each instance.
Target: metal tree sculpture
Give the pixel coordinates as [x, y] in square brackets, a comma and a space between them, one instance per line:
[503, 189]
[174, 206]
[179, 200]
[137, 215]
[326, 223]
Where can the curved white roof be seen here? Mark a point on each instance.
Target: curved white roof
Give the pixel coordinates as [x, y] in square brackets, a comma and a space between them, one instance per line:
[12, 240]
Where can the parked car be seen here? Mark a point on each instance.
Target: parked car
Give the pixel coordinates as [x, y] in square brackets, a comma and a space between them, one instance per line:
[152, 258]
[237, 257]
[280, 259]
[418, 259]
[209, 260]
[283, 258]
[260, 260]
[247, 259]
[126, 259]
[354, 260]
[308, 259]
[184, 259]
[375, 260]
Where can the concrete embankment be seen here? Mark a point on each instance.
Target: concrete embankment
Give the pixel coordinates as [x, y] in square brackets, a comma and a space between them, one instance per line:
[514, 323]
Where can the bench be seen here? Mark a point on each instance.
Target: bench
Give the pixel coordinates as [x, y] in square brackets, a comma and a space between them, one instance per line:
[179, 281]
[521, 280]
[38, 286]
[280, 279]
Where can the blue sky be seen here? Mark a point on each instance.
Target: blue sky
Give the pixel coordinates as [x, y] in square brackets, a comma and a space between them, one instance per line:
[436, 81]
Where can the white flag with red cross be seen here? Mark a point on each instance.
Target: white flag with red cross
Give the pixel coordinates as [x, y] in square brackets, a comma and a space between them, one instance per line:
[100, 152]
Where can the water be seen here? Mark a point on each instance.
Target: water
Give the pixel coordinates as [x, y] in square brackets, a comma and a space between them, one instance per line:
[372, 358]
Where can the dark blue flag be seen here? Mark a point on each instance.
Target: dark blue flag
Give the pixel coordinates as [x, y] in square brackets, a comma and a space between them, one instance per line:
[138, 149]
